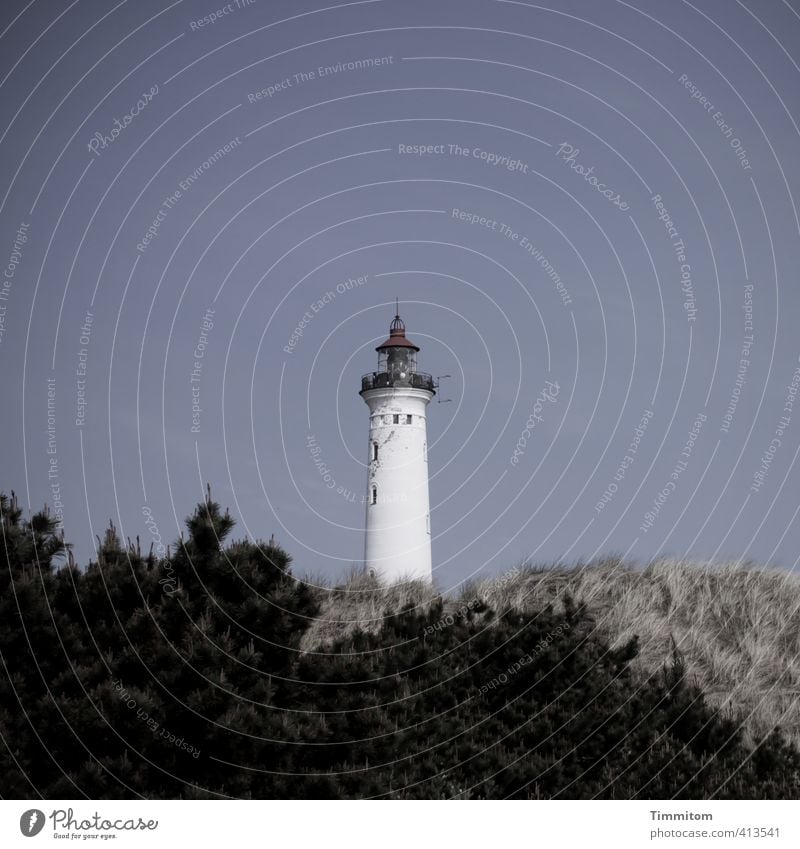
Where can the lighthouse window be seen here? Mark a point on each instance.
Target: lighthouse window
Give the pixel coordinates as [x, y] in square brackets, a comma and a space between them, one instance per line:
[374, 450]
[386, 420]
[396, 418]
[374, 494]
[408, 418]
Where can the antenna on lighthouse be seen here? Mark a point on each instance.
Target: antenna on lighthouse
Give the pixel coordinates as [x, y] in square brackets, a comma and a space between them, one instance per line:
[439, 398]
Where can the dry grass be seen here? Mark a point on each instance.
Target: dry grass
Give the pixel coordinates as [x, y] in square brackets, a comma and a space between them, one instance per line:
[738, 627]
[361, 601]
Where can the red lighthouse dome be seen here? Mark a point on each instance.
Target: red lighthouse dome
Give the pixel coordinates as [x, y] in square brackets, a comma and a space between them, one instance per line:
[397, 336]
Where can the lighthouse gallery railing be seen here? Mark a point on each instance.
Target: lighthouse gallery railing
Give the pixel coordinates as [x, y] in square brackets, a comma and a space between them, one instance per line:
[382, 379]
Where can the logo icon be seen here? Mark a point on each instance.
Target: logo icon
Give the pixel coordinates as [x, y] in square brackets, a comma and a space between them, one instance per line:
[31, 822]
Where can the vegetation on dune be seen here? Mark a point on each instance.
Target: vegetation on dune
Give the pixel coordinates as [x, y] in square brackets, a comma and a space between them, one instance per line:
[736, 626]
[215, 672]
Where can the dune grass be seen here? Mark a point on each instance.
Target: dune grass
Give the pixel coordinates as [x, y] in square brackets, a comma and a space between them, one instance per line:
[361, 601]
[737, 626]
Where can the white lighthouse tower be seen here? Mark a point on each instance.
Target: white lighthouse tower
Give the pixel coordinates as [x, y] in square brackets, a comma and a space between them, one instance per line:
[398, 526]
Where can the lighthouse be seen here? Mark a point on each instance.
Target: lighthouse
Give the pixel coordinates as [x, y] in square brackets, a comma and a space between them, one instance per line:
[397, 541]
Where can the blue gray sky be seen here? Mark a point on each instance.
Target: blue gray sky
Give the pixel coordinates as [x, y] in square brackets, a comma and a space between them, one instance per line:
[587, 210]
